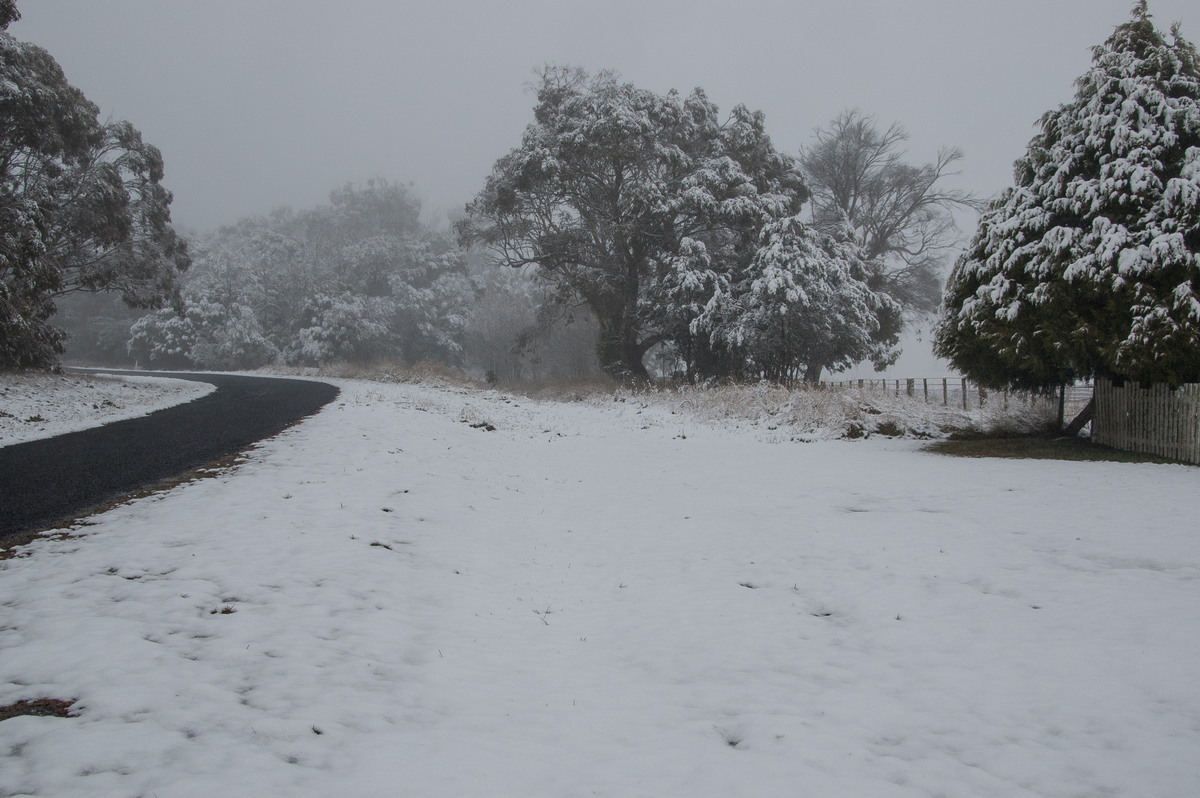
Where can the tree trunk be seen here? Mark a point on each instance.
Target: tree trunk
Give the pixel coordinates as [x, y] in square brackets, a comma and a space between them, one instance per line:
[634, 365]
[812, 373]
[1081, 420]
[619, 351]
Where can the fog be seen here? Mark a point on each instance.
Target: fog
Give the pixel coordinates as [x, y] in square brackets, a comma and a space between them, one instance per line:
[261, 103]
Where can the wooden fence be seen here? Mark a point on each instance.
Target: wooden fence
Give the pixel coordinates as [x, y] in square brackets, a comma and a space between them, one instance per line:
[1157, 420]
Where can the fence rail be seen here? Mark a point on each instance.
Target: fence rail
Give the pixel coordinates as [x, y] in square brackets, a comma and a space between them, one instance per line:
[1157, 420]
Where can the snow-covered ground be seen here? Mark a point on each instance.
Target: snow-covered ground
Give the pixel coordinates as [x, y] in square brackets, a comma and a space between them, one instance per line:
[443, 592]
[39, 405]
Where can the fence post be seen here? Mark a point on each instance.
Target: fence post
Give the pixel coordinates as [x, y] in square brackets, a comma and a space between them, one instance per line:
[964, 393]
[925, 383]
[909, 386]
[945, 392]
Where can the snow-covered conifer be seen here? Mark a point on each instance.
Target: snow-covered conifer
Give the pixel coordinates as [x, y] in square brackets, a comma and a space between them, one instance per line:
[1090, 264]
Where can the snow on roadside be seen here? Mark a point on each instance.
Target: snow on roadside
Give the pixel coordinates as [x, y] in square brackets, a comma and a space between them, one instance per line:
[444, 592]
[39, 405]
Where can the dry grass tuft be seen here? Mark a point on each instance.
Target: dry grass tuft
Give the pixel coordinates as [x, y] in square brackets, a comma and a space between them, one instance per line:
[803, 412]
[811, 412]
[564, 389]
[40, 707]
[426, 372]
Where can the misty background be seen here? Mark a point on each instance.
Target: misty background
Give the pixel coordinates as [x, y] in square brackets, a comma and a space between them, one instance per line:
[260, 104]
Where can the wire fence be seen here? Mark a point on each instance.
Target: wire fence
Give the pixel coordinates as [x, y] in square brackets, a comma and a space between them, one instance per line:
[961, 392]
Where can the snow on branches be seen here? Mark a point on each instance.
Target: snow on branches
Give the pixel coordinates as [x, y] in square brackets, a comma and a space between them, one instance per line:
[81, 206]
[356, 280]
[1090, 264]
[649, 209]
[803, 305]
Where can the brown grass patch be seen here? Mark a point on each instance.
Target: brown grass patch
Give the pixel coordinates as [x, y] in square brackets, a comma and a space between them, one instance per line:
[1040, 448]
[40, 707]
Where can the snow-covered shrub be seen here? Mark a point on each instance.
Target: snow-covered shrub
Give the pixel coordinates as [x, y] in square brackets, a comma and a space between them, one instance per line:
[345, 327]
[228, 337]
[162, 339]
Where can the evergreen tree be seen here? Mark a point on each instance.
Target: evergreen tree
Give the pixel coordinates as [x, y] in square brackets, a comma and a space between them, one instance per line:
[1090, 264]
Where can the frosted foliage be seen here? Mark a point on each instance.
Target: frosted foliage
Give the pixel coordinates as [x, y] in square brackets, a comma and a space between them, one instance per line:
[805, 303]
[81, 207]
[162, 338]
[213, 335]
[342, 328]
[355, 280]
[1098, 241]
[640, 206]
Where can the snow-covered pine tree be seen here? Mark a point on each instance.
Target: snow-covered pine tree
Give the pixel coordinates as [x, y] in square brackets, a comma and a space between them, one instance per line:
[1090, 264]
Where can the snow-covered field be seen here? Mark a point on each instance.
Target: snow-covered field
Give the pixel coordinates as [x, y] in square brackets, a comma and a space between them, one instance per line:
[39, 405]
[443, 592]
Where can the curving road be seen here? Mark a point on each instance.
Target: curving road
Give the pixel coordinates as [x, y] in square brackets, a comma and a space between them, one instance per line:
[55, 479]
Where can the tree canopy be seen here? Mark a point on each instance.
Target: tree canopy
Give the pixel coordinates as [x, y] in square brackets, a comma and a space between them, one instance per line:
[804, 305]
[82, 207]
[902, 214]
[651, 210]
[634, 203]
[1090, 264]
[354, 280]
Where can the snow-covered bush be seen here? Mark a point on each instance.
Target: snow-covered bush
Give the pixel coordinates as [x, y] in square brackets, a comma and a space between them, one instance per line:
[228, 337]
[208, 335]
[345, 327]
[163, 339]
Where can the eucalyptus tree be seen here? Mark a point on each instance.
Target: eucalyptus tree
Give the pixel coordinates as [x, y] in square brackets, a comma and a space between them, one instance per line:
[903, 215]
[82, 207]
[636, 204]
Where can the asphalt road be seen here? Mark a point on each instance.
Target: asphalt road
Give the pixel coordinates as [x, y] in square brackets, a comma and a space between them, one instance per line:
[56, 479]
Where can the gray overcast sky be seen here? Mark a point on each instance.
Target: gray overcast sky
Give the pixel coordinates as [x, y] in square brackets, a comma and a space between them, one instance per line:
[262, 103]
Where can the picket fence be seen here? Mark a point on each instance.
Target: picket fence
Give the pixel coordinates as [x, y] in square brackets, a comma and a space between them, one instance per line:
[1158, 420]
